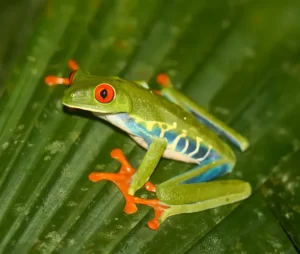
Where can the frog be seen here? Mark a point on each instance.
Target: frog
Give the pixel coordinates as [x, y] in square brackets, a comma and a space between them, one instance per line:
[167, 124]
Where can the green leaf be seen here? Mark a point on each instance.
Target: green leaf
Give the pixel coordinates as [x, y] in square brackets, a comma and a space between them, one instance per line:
[238, 59]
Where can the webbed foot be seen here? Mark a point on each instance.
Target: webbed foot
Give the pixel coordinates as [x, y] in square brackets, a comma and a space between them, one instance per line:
[123, 180]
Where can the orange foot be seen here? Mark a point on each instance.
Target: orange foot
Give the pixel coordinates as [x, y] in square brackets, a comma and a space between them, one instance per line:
[164, 80]
[122, 180]
[54, 80]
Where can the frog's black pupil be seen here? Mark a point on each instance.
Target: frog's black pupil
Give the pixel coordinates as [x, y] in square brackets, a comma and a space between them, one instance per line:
[103, 93]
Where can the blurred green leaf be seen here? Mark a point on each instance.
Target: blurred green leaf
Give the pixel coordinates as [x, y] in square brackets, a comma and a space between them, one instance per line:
[239, 59]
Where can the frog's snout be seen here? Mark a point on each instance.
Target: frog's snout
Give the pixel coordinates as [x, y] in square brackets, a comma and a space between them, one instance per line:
[76, 97]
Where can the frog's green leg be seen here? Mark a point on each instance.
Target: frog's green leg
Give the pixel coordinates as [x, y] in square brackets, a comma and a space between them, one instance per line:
[200, 113]
[149, 163]
[176, 192]
[54, 80]
[210, 195]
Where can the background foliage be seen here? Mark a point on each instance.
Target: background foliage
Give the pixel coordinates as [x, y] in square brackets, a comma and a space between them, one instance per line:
[237, 58]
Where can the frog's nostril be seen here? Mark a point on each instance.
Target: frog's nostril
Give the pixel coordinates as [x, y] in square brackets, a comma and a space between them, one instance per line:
[79, 94]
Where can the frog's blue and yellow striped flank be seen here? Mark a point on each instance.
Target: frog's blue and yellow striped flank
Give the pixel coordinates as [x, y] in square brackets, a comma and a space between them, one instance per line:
[168, 125]
[179, 145]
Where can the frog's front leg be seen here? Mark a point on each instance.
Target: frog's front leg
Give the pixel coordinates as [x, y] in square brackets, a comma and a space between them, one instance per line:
[149, 163]
[129, 180]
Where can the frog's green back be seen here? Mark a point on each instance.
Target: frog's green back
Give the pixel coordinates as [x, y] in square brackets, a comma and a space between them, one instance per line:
[151, 109]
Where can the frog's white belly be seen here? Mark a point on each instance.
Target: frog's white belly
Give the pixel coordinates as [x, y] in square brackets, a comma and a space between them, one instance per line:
[169, 152]
[115, 119]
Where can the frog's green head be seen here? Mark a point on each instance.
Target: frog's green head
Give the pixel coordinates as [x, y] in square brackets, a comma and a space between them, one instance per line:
[98, 94]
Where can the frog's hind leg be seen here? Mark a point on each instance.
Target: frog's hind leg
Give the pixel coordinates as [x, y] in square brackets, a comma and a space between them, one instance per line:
[210, 195]
[200, 113]
[190, 192]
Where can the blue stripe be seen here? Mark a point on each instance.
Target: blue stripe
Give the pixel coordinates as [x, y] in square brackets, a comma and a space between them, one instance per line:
[181, 144]
[170, 136]
[210, 174]
[192, 146]
[156, 131]
[201, 152]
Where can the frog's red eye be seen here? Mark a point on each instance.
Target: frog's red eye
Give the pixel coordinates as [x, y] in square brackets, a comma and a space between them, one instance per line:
[71, 76]
[104, 93]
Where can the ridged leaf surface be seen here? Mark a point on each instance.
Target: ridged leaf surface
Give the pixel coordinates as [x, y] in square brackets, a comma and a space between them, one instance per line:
[238, 59]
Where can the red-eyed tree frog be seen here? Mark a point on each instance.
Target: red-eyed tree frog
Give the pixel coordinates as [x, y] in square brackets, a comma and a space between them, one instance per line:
[167, 124]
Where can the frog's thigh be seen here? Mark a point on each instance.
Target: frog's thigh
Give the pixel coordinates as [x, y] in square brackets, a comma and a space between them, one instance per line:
[205, 196]
[193, 187]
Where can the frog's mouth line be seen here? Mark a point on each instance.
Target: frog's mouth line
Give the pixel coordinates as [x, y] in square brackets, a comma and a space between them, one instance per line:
[95, 111]
[84, 108]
